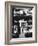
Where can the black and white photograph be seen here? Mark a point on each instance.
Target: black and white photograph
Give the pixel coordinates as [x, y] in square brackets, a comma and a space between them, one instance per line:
[22, 22]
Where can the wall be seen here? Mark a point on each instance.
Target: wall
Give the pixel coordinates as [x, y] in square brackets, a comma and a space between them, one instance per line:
[2, 21]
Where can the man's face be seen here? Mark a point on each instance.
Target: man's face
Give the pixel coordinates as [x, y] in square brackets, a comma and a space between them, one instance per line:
[24, 24]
